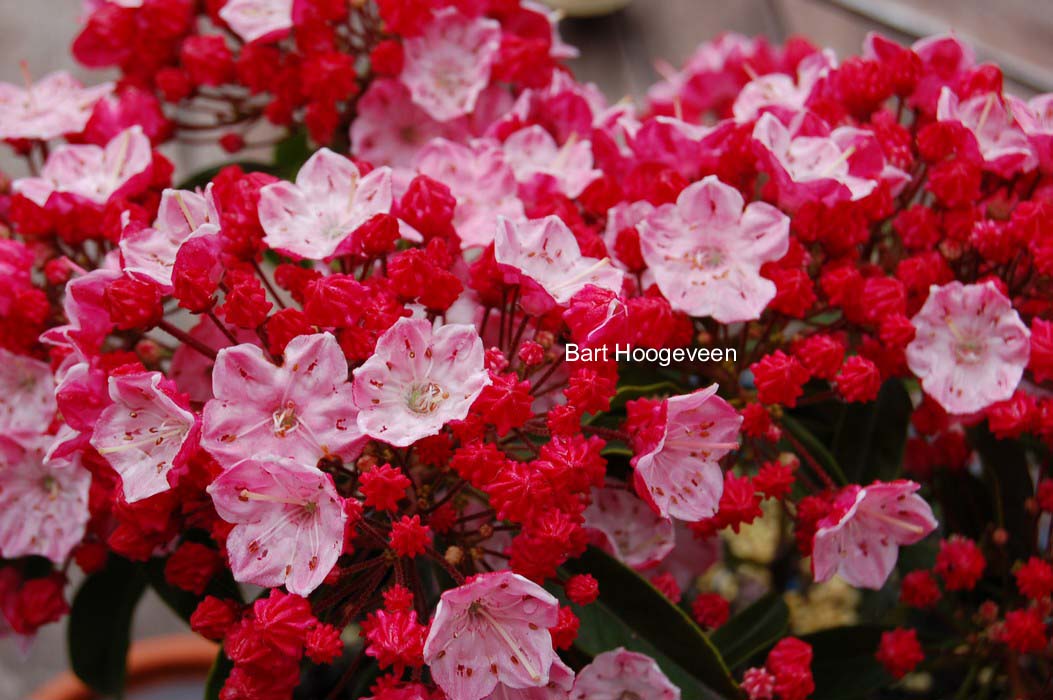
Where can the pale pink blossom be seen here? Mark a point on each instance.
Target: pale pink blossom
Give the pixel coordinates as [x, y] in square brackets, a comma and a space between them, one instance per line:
[448, 65]
[783, 92]
[330, 199]
[545, 252]
[144, 433]
[288, 522]
[845, 164]
[92, 172]
[532, 152]
[55, 105]
[419, 379]
[620, 674]
[191, 370]
[151, 251]
[1005, 147]
[492, 630]
[707, 249]
[390, 128]
[679, 472]
[27, 395]
[691, 557]
[303, 409]
[480, 179]
[560, 683]
[258, 19]
[43, 500]
[970, 347]
[860, 539]
[1035, 118]
[620, 523]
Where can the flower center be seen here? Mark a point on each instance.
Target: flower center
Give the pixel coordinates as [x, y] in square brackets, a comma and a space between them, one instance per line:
[426, 398]
[50, 485]
[707, 258]
[970, 351]
[285, 420]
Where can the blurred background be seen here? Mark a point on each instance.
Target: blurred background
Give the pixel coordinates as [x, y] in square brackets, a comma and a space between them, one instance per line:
[618, 51]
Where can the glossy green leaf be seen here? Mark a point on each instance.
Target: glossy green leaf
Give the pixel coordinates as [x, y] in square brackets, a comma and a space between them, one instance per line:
[752, 630]
[816, 448]
[217, 675]
[1008, 480]
[290, 153]
[100, 624]
[843, 662]
[647, 618]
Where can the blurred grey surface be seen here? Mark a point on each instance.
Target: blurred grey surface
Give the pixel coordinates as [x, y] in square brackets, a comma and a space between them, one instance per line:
[618, 52]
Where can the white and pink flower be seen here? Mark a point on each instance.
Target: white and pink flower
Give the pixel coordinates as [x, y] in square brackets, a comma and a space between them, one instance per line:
[55, 105]
[619, 674]
[255, 20]
[1004, 146]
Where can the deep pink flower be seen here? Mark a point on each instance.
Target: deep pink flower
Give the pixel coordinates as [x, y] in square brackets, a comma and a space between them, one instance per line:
[970, 347]
[861, 537]
[679, 472]
[144, 433]
[43, 498]
[448, 66]
[258, 19]
[706, 251]
[1005, 148]
[27, 395]
[492, 630]
[288, 522]
[1035, 118]
[419, 379]
[91, 172]
[55, 105]
[330, 199]
[302, 409]
[480, 179]
[618, 674]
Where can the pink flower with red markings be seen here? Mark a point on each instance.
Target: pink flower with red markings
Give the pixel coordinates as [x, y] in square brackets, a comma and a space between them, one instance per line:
[43, 498]
[622, 524]
[970, 347]
[90, 172]
[55, 105]
[480, 179]
[27, 395]
[330, 199]
[618, 674]
[532, 152]
[419, 379]
[288, 522]
[861, 537]
[448, 66]
[706, 251]
[545, 252]
[1004, 146]
[491, 631]
[676, 464]
[144, 433]
[253, 20]
[303, 409]
[560, 683]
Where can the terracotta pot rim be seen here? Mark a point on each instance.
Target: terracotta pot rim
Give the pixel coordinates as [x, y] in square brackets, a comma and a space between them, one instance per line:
[149, 661]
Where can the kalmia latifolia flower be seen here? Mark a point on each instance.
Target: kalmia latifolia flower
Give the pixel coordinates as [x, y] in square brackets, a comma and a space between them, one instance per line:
[619, 674]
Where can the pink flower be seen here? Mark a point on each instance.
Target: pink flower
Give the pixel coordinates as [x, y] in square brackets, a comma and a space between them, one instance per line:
[1035, 118]
[679, 472]
[151, 251]
[91, 172]
[492, 630]
[706, 251]
[55, 105]
[532, 152]
[302, 410]
[781, 91]
[288, 522]
[618, 674]
[860, 539]
[419, 379]
[192, 371]
[620, 523]
[845, 164]
[546, 252]
[480, 179]
[560, 682]
[27, 395]
[970, 347]
[144, 433]
[390, 128]
[43, 500]
[1004, 146]
[448, 65]
[330, 199]
[258, 19]
[88, 321]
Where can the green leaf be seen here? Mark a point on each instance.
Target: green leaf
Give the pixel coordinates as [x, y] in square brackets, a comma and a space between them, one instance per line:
[843, 662]
[1008, 479]
[752, 630]
[815, 447]
[217, 675]
[290, 153]
[100, 626]
[645, 615]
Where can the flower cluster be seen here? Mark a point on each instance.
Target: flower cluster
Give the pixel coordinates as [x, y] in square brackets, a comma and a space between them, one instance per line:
[344, 378]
